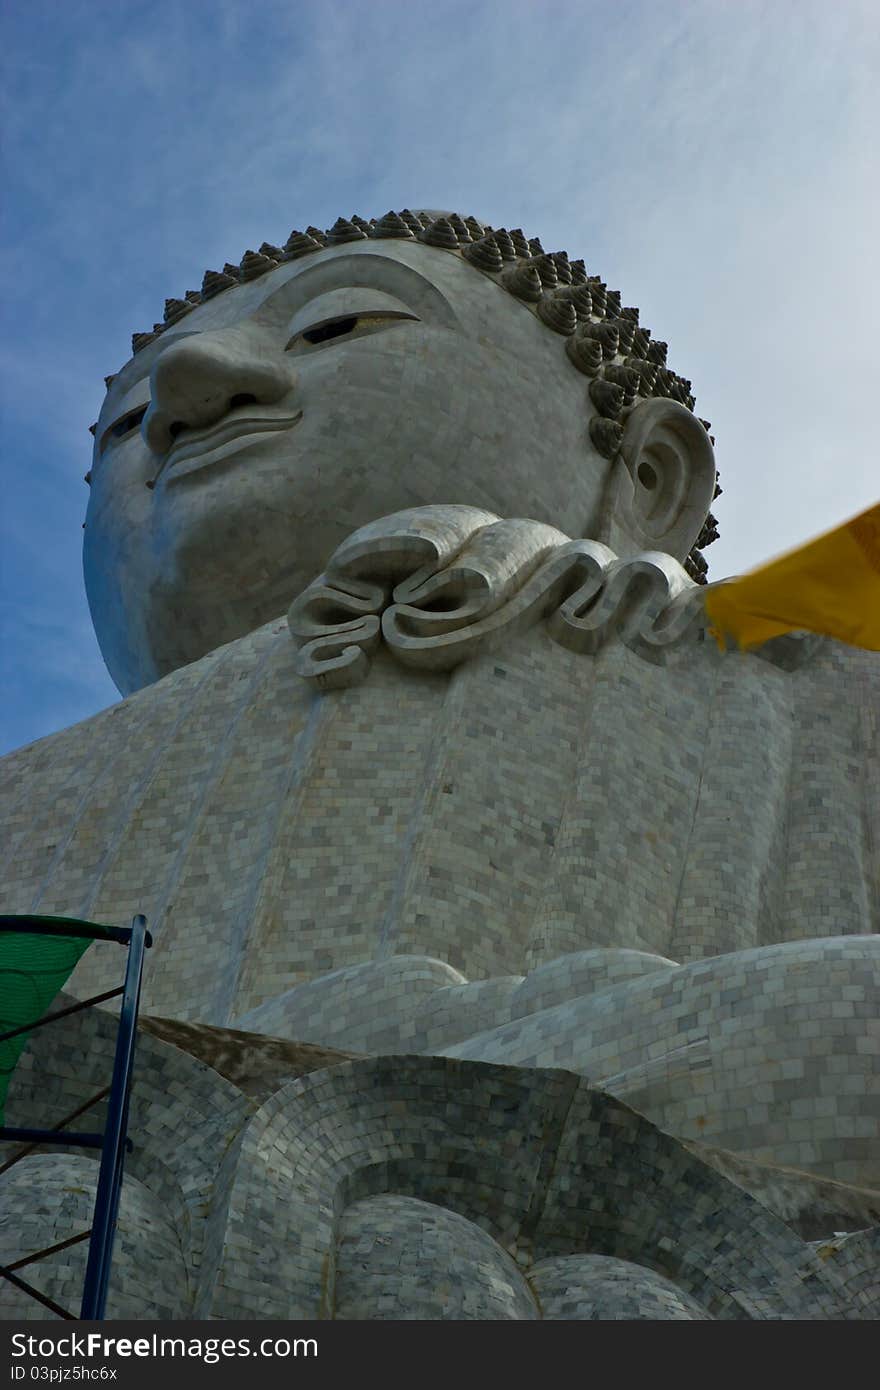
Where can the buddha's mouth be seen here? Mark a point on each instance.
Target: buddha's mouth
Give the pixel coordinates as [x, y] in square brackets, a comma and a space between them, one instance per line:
[194, 449]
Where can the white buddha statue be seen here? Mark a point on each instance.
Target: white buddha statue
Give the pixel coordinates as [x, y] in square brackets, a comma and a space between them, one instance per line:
[393, 550]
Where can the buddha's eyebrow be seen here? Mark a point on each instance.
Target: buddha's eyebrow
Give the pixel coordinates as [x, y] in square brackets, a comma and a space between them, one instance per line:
[362, 272]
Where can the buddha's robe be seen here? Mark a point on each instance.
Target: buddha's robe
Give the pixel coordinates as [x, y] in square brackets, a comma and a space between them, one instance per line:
[529, 859]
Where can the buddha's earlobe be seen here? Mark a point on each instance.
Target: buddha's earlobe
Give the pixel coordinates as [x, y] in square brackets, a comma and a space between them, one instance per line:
[663, 477]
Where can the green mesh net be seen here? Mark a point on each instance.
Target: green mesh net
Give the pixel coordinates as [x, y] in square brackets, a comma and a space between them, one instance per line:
[34, 966]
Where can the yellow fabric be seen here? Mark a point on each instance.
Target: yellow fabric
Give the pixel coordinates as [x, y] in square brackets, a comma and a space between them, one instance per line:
[830, 585]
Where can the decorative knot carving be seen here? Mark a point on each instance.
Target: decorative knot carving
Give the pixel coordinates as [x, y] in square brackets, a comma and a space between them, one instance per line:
[606, 435]
[176, 308]
[299, 244]
[440, 233]
[626, 330]
[598, 290]
[605, 334]
[585, 353]
[612, 303]
[581, 299]
[216, 280]
[392, 225]
[656, 352]
[441, 585]
[558, 313]
[547, 272]
[523, 281]
[504, 242]
[415, 224]
[140, 340]
[607, 397]
[254, 264]
[563, 269]
[486, 254]
[343, 230]
[627, 379]
[646, 371]
[460, 227]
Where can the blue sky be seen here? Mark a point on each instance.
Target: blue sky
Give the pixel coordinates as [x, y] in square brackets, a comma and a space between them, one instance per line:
[714, 160]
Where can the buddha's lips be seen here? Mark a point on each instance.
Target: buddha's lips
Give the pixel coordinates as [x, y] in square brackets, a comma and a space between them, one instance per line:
[195, 444]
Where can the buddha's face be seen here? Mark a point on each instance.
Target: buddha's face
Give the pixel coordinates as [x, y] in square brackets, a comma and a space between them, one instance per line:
[288, 411]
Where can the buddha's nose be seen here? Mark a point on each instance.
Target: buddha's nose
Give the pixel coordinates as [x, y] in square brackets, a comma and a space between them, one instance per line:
[200, 378]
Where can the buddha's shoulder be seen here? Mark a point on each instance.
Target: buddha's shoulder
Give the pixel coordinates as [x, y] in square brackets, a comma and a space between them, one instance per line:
[204, 695]
[257, 677]
[831, 666]
[813, 681]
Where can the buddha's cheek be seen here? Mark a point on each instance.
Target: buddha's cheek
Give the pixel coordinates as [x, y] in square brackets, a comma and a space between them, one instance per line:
[273, 510]
[433, 420]
[117, 530]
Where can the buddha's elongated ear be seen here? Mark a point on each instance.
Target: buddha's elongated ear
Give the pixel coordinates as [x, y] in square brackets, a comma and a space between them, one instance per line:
[664, 477]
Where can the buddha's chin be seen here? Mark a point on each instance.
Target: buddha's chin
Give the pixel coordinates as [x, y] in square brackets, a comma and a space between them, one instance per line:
[223, 575]
[183, 626]
[223, 538]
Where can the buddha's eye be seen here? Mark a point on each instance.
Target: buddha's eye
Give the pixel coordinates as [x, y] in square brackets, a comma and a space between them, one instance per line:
[125, 425]
[128, 422]
[358, 325]
[335, 329]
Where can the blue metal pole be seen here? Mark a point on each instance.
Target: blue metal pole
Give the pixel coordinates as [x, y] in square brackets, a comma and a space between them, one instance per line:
[52, 1136]
[110, 1176]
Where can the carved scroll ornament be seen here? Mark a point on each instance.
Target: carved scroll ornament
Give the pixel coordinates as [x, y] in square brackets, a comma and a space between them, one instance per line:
[441, 585]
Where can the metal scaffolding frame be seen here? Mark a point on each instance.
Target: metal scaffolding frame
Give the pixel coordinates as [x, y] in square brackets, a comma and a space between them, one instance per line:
[113, 1141]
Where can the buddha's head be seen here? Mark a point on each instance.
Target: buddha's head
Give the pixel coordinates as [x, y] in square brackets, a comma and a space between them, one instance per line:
[355, 373]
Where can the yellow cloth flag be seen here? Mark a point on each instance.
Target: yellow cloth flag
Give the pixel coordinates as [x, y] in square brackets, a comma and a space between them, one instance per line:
[830, 585]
